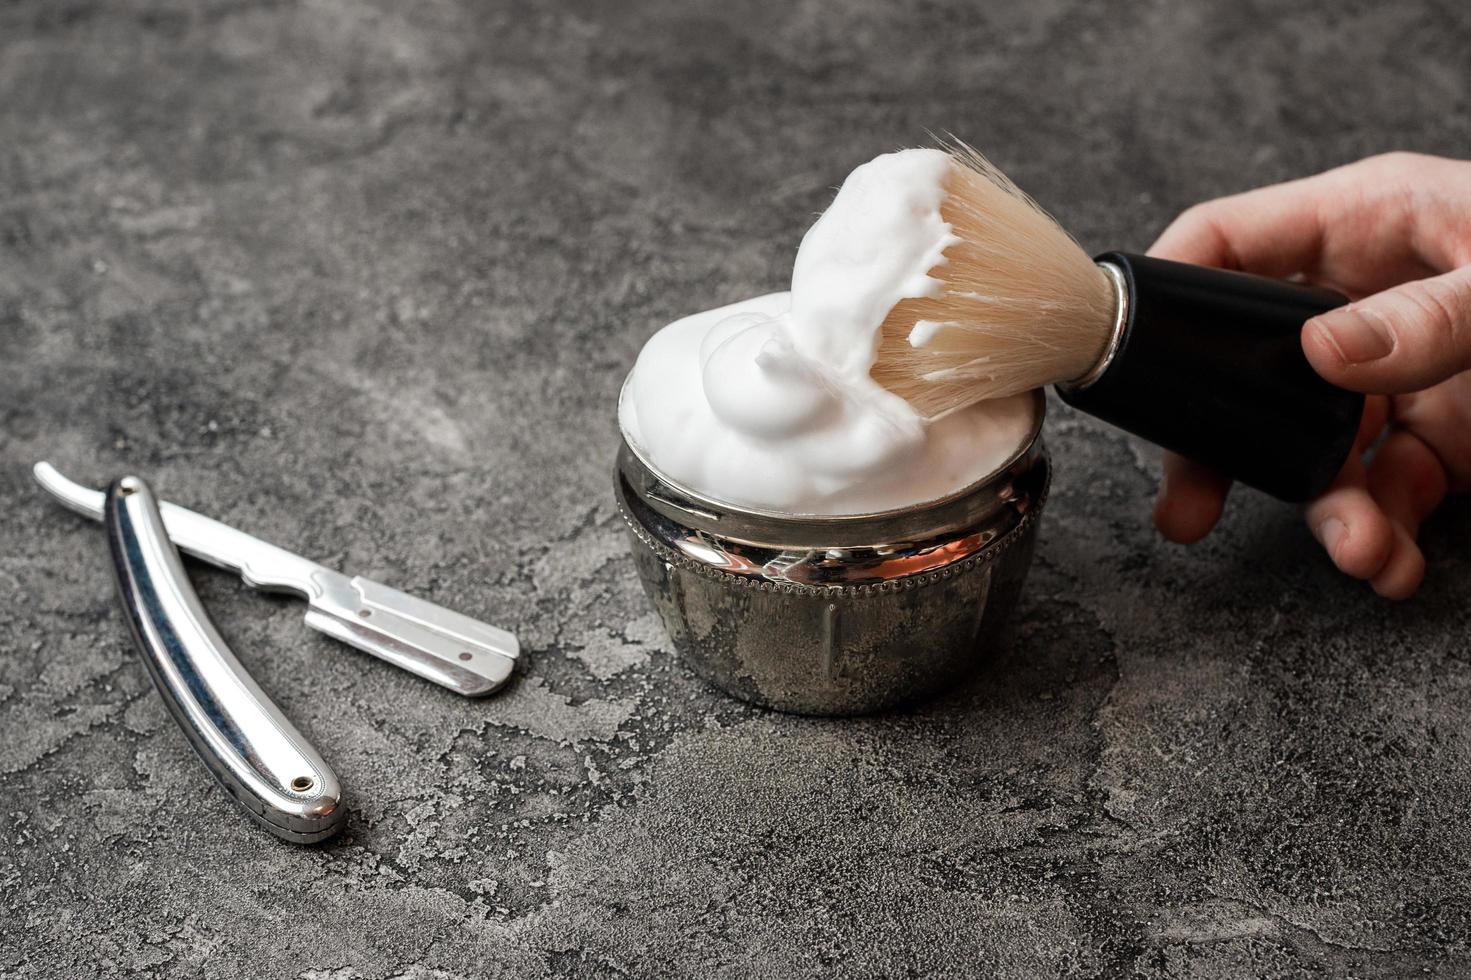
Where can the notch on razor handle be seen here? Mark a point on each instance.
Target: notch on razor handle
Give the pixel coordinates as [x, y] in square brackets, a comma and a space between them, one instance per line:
[273, 772]
[437, 644]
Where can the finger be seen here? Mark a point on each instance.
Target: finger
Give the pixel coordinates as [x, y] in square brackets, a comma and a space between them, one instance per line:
[1408, 482]
[1405, 569]
[1371, 424]
[1350, 525]
[1191, 499]
[1360, 228]
[1272, 231]
[1403, 339]
[1441, 418]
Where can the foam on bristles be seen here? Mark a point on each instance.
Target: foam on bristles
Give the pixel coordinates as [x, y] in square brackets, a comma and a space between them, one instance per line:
[1023, 305]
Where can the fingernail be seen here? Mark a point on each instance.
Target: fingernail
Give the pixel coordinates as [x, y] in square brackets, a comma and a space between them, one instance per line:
[1332, 533]
[1358, 337]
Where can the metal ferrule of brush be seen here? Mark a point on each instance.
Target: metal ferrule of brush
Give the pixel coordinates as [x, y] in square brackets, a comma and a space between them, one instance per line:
[1209, 364]
[1116, 331]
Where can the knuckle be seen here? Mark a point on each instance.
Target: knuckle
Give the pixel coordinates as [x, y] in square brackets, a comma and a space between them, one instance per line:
[1206, 213]
[1396, 161]
[1206, 223]
[1187, 221]
[1195, 211]
[1443, 309]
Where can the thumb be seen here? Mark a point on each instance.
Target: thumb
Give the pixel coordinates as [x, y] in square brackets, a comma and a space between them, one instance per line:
[1403, 339]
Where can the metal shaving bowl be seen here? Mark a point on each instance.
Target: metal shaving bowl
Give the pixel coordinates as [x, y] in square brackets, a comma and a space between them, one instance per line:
[836, 615]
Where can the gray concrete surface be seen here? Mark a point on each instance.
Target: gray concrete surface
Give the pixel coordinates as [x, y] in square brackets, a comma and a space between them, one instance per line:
[364, 278]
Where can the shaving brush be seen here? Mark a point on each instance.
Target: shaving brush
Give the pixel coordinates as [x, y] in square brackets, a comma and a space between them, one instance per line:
[1204, 362]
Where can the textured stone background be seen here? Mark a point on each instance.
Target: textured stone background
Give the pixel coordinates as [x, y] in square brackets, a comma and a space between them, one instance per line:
[364, 278]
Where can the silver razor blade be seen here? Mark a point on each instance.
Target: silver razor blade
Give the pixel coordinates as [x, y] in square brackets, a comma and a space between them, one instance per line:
[452, 650]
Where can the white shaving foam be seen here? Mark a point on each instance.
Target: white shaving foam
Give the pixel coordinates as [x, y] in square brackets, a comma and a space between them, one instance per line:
[768, 404]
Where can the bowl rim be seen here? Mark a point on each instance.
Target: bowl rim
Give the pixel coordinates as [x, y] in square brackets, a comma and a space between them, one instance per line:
[808, 561]
[716, 506]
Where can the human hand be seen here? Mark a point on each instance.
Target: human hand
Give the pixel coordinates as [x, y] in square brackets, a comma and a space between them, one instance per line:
[1392, 232]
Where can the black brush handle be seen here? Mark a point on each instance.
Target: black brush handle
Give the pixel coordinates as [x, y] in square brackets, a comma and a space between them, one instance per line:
[1211, 366]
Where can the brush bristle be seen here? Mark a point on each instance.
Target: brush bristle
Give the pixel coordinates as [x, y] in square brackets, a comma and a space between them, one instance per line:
[1023, 305]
